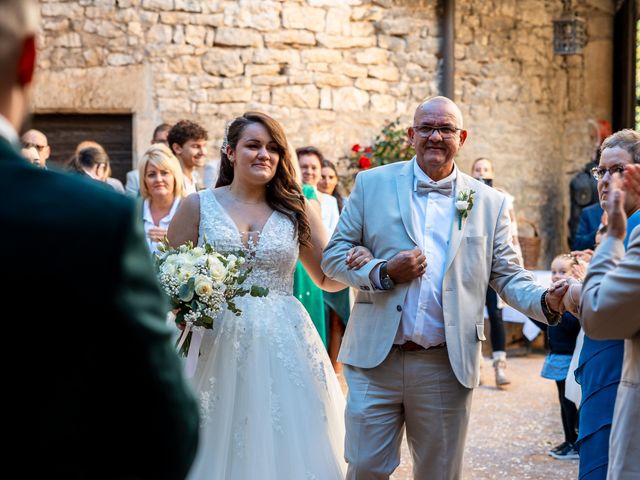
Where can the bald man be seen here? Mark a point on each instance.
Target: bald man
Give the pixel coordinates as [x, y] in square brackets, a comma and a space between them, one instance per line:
[411, 351]
[38, 140]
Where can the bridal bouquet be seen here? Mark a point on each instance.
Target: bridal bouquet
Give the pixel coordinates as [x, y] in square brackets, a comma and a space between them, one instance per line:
[200, 283]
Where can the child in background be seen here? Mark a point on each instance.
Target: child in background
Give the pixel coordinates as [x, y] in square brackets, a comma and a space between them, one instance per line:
[562, 342]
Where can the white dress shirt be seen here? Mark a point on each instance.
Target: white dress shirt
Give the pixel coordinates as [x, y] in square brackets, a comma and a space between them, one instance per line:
[422, 320]
[164, 222]
[191, 186]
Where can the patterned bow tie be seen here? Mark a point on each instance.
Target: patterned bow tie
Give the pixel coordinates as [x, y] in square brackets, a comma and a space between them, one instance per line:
[445, 189]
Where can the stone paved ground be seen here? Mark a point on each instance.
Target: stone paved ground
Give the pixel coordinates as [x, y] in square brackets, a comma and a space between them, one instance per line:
[511, 430]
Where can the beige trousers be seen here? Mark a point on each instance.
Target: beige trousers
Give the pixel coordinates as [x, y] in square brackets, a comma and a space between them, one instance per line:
[414, 389]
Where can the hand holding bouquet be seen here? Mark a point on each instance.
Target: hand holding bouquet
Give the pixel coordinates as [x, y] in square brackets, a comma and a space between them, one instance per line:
[200, 283]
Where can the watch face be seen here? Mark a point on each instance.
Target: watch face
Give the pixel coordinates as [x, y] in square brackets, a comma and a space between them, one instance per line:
[387, 283]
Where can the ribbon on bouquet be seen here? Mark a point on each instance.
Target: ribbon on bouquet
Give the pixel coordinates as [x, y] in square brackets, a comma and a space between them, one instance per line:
[194, 348]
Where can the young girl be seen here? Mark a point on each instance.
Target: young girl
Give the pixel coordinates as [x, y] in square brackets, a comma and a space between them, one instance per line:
[562, 342]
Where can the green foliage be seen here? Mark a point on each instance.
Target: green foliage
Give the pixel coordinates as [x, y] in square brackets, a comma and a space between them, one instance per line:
[389, 146]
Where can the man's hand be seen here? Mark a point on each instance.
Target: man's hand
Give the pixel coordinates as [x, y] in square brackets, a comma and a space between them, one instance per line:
[614, 205]
[554, 295]
[407, 265]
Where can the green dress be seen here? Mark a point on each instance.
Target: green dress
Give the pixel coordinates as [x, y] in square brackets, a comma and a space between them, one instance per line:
[306, 291]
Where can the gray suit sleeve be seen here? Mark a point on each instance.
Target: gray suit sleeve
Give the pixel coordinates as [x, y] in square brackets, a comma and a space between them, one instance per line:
[513, 283]
[611, 291]
[348, 234]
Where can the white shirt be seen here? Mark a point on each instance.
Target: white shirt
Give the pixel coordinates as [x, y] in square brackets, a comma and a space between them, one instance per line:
[164, 222]
[8, 132]
[330, 212]
[191, 186]
[422, 319]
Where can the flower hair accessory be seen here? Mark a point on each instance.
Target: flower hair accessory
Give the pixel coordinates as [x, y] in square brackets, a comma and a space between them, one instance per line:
[225, 140]
[464, 204]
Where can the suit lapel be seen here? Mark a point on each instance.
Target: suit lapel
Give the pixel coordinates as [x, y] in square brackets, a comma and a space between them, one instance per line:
[456, 234]
[404, 185]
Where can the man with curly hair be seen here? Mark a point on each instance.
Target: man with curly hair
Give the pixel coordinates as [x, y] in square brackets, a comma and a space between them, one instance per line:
[188, 141]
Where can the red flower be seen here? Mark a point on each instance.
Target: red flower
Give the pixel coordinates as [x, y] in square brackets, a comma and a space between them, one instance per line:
[356, 148]
[368, 150]
[364, 162]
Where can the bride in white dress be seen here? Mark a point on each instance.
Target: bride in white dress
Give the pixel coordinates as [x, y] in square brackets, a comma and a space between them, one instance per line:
[271, 405]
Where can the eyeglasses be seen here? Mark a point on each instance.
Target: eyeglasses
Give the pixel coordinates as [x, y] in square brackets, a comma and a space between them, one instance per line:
[599, 172]
[34, 145]
[445, 131]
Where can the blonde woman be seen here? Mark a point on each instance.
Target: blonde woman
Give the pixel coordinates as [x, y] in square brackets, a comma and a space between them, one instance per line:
[161, 188]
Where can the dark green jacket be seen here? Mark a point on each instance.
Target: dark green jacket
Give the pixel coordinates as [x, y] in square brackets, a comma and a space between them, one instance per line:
[94, 387]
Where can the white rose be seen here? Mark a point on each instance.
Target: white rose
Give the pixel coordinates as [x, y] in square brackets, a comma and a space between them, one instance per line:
[168, 268]
[217, 271]
[171, 259]
[186, 272]
[203, 285]
[462, 205]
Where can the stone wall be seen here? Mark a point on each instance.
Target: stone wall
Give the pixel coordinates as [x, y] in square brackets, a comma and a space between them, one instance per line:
[335, 71]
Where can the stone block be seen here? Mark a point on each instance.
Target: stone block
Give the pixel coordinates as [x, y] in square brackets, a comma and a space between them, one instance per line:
[55, 24]
[350, 99]
[394, 26]
[372, 56]
[66, 10]
[289, 56]
[188, 5]
[372, 84]
[332, 80]
[367, 13]
[269, 80]
[254, 70]
[230, 95]
[294, 16]
[195, 35]
[159, 34]
[389, 73]
[349, 69]
[325, 55]
[69, 39]
[290, 37]
[158, 4]
[222, 62]
[260, 15]
[303, 96]
[119, 60]
[238, 37]
[325, 99]
[178, 34]
[362, 29]
[338, 21]
[383, 103]
[340, 41]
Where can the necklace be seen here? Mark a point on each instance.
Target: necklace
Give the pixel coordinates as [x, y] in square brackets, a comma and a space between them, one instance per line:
[235, 198]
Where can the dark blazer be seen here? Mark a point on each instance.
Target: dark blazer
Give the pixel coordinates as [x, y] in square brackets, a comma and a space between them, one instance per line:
[585, 236]
[95, 387]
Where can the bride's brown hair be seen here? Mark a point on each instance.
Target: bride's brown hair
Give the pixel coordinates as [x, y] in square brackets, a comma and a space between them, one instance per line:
[283, 191]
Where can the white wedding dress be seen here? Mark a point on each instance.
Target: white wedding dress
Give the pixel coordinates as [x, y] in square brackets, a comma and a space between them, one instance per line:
[271, 405]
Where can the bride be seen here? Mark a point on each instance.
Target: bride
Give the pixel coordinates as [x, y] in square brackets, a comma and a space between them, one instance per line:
[271, 406]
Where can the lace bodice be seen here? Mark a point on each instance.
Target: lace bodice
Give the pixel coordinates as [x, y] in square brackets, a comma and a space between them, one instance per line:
[274, 254]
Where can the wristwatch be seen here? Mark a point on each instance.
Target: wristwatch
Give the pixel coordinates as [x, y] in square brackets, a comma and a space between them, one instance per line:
[385, 279]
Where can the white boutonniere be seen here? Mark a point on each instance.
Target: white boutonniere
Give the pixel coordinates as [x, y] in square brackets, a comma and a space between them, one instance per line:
[464, 204]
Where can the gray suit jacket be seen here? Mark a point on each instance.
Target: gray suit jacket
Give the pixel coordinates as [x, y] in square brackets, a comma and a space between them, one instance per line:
[378, 216]
[610, 309]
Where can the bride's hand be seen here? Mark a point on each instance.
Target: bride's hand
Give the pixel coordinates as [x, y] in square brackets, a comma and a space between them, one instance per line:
[358, 257]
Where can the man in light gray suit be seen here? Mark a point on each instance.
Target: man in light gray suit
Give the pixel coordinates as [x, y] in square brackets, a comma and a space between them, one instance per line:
[610, 304]
[412, 346]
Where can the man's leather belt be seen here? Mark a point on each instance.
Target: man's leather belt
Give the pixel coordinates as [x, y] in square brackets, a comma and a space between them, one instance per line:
[412, 346]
